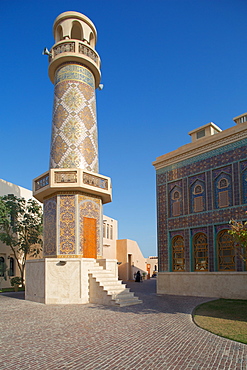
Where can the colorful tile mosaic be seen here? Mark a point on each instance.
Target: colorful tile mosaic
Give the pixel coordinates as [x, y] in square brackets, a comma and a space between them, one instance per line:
[64, 215]
[67, 225]
[74, 140]
[212, 188]
[50, 223]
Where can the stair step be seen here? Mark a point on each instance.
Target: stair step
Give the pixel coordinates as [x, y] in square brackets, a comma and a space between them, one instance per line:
[110, 283]
[96, 268]
[102, 273]
[128, 302]
[114, 289]
[124, 295]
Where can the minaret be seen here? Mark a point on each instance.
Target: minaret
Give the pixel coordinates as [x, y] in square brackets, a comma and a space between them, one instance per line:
[72, 190]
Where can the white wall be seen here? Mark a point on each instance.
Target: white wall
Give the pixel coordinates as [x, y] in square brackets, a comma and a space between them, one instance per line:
[5, 251]
[110, 235]
[9, 188]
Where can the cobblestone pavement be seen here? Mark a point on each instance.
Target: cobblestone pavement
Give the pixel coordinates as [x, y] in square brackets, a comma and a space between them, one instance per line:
[158, 334]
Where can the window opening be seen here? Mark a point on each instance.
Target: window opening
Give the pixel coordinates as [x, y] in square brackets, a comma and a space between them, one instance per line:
[223, 199]
[76, 32]
[178, 253]
[223, 183]
[1, 266]
[11, 267]
[200, 245]
[198, 189]
[200, 134]
[198, 204]
[176, 195]
[226, 251]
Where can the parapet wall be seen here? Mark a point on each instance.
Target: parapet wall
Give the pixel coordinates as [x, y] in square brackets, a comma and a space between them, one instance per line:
[204, 284]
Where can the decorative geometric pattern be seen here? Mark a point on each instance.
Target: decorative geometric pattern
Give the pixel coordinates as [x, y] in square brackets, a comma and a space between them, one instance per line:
[244, 181]
[206, 183]
[64, 215]
[97, 181]
[74, 142]
[67, 225]
[74, 72]
[50, 223]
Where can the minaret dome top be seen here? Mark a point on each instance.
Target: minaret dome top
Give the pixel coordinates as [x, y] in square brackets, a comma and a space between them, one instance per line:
[75, 38]
[74, 25]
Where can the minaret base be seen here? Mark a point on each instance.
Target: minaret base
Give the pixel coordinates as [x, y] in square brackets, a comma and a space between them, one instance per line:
[62, 281]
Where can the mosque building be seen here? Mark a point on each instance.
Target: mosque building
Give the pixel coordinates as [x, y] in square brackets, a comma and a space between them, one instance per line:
[200, 187]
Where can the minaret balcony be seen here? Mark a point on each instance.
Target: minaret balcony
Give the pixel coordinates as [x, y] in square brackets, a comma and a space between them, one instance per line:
[70, 50]
[72, 180]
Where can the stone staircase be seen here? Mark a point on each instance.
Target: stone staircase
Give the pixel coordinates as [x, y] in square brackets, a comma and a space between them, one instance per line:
[105, 288]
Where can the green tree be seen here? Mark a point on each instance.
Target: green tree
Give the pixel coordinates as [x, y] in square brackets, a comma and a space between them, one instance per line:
[21, 225]
[239, 233]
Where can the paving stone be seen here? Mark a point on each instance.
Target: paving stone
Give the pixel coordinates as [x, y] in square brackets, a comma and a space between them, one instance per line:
[158, 334]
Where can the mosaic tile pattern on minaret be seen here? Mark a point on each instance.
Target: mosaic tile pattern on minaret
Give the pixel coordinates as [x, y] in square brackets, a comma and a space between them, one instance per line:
[74, 141]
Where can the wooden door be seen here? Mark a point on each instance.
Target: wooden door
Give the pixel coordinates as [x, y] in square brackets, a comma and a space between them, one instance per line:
[148, 269]
[90, 240]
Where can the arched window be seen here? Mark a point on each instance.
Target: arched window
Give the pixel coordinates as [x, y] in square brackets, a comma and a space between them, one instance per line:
[178, 260]
[11, 267]
[200, 246]
[226, 251]
[223, 183]
[59, 33]
[76, 32]
[176, 201]
[92, 40]
[197, 196]
[244, 185]
[1, 266]
[223, 190]
[176, 195]
[198, 189]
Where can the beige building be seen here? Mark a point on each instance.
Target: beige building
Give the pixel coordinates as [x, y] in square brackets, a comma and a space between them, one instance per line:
[127, 253]
[6, 255]
[130, 259]
[110, 236]
[152, 266]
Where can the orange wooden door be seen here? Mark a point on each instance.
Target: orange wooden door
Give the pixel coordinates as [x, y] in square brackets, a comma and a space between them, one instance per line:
[89, 245]
[148, 269]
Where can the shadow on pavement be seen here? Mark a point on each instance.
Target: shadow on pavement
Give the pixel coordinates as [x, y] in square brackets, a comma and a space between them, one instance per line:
[16, 295]
[156, 303]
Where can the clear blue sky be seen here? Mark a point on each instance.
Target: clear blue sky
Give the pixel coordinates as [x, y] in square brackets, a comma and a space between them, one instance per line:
[168, 67]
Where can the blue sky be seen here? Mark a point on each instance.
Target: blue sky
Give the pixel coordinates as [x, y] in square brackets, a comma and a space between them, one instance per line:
[168, 67]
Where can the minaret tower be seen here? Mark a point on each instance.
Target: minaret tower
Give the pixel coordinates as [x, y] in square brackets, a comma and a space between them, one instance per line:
[73, 270]
[72, 191]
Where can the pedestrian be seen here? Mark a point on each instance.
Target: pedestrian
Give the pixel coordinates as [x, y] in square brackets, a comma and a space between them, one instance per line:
[138, 277]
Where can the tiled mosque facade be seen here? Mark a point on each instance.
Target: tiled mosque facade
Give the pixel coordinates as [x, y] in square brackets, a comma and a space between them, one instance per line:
[200, 188]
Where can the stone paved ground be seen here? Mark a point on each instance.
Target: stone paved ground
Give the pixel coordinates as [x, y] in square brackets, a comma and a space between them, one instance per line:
[159, 334]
